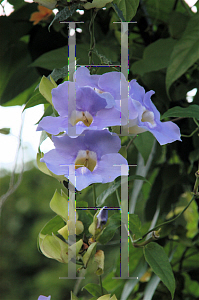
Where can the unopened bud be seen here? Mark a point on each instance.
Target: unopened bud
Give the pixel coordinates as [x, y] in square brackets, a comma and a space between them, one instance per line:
[102, 217]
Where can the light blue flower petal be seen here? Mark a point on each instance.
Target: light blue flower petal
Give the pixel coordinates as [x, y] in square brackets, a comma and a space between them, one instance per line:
[44, 298]
[53, 125]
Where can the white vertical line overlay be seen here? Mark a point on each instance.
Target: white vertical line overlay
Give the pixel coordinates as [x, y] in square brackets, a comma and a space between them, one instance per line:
[124, 71]
[71, 71]
[124, 239]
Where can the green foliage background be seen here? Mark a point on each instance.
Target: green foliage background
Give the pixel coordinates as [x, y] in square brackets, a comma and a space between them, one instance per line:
[163, 56]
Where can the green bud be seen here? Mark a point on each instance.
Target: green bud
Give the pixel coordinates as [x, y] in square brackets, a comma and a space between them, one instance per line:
[99, 223]
[64, 232]
[59, 204]
[5, 130]
[45, 88]
[105, 297]
[99, 259]
[79, 227]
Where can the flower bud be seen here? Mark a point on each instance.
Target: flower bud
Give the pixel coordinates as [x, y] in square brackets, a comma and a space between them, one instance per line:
[45, 88]
[102, 217]
[64, 231]
[99, 259]
[79, 227]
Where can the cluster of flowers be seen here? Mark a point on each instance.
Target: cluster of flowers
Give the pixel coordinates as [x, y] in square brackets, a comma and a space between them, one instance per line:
[94, 150]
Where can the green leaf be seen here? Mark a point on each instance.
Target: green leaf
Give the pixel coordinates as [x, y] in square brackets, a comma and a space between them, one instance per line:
[74, 249]
[123, 151]
[52, 59]
[35, 100]
[48, 112]
[58, 73]
[16, 3]
[22, 79]
[53, 247]
[41, 165]
[97, 4]
[14, 57]
[185, 52]
[162, 12]
[113, 297]
[103, 196]
[144, 143]
[21, 98]
[51, 4]
[64, 14]
[89, 254]
[59, 204]
[159, 262]
[81, 204]
[192, 111]
[110, 229]
[93, 289]
[53, 226]
[118, 12]
[156, 57]
[128, 8]
[135, 225]
[194, 155]
[177, 24]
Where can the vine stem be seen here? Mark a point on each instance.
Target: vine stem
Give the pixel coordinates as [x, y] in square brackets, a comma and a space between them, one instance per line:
[162, 224]
[92, 36]
[94, 196]
[14, 185]
[130, 142]
[100, 280]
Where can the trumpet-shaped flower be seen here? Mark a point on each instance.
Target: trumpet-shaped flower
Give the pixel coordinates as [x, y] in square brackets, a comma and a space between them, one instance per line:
[144, 116]
[97, 103]
[94, 156]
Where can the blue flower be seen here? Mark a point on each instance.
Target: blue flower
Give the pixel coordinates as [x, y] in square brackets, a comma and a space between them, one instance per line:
[144, 116]
[94, 155]
[103, 84]
[97, 103]
[102, 217]
[44, 298]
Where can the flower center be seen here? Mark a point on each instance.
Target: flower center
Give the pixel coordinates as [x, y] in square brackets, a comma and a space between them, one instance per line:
[86, 158]
[98, 91]
[148, 116]
[83, 116]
